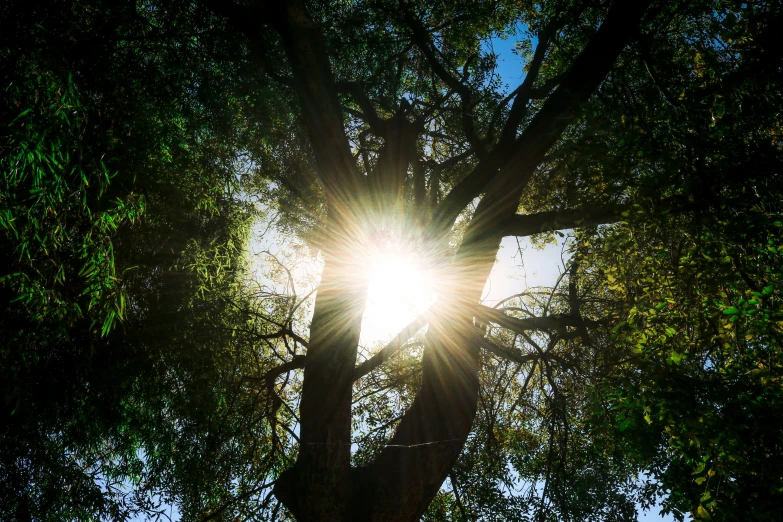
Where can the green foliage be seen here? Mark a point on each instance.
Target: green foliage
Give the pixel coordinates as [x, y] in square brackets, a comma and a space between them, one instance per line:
[141, 143]
[123, 227]
[701, 344]
[54, 222]
[695, 280]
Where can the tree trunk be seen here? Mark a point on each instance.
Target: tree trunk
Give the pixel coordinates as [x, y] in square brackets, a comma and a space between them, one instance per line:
[317, 487]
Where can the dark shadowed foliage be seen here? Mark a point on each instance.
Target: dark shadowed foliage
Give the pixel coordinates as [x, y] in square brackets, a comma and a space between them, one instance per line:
[151, 367]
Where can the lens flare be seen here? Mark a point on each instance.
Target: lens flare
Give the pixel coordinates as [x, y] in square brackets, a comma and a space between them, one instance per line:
[398, 292]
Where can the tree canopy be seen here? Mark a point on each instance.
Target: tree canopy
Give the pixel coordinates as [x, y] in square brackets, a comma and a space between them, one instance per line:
[152, 367]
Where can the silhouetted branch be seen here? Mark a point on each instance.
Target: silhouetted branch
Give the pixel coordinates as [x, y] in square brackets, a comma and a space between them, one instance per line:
[510, 354]
[521, 326]
[561, 108]
[530, 224]
[421, 39]
[392, 348]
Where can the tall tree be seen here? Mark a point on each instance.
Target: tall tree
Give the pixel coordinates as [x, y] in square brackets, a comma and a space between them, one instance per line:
[386, 122]
[440, 69]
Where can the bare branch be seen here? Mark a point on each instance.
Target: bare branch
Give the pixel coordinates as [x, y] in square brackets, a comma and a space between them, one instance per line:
[392, 348]
[508, 353]
[520, 326]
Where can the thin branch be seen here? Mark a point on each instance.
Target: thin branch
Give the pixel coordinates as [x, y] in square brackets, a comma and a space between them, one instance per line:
[450, 162]
[646, 58]
[421, 39]
[522, 94]
[296, 363]
[521, 326]
[219, 511]
[283, 332]
[392, 348]
[573, 297]
[461, 507]
[396, 344]
[508, 353]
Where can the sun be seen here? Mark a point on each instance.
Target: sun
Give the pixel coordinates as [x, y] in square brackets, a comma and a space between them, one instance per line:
[400, 289]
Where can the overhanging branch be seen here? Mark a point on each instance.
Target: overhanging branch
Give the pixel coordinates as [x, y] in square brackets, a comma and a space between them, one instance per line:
[527, 225]
[515, 169]
[588, 216]
[520, 326]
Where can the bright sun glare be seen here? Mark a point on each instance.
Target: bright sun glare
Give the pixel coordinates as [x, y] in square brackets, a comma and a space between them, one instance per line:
[399, 291]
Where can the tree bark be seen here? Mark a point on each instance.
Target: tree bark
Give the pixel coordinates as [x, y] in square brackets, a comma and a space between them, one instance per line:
[317, 486]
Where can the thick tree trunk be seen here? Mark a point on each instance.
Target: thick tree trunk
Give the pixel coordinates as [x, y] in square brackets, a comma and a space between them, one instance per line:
[318, 486]
[408, 473]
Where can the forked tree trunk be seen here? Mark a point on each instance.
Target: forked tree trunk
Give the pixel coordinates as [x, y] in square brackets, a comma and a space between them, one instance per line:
[402, 481]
